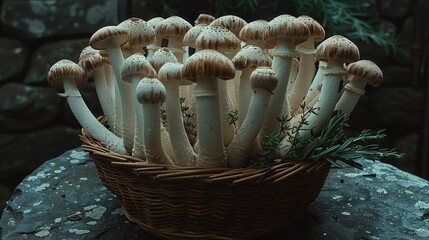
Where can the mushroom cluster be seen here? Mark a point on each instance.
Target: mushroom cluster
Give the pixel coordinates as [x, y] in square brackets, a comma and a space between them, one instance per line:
[209, 96]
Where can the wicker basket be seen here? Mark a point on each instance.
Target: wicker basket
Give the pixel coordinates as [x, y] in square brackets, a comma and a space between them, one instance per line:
[196, 203]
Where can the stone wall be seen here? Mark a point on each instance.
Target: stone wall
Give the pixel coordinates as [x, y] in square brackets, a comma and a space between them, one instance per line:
[36, 125]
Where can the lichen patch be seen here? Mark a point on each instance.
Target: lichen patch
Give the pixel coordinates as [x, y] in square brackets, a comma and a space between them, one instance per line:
[96, 213]
[43, 232]
[79, 231]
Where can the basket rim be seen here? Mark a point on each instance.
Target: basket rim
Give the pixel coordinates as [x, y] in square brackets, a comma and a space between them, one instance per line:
[236, 176]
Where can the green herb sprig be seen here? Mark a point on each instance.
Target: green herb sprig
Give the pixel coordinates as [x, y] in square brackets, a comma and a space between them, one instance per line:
[331, 145]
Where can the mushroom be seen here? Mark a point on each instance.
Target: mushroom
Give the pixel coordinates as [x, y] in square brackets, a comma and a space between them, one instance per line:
[263, 82]
[112, 87]
[161, 57]
[151, 48]
[135, 68]
[307, 66]
[110, 39]
[231, 22]
[246, 60]
[68, 76]
[336, 51]
[141, 35]
[253, 33]
[151, 94]
[190, 38]
[204, 18]
[224, 41]
[173, 29]
[170, 74]
[95, 63]
[285, 31]
[205, 67]
[362, 72]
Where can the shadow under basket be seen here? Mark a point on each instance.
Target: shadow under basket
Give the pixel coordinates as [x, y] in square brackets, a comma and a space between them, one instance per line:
[208, 203]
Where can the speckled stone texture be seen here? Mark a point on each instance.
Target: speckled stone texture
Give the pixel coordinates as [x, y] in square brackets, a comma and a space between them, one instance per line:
[64, 199]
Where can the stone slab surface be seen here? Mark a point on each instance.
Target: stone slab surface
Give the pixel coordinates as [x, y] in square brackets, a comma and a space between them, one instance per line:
[64, 199]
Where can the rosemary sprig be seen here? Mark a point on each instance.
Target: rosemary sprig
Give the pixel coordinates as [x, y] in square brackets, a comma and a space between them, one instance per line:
[331, 145]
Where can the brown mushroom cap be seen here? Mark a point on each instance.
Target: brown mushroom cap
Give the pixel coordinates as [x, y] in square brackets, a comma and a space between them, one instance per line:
[141, 33]
[153, 22]
[204, 18]
[217, 38]
[316, 30]
[108, 36]
[251, 57]
[160, 57]
[286, 26]
[66, 69]
[190, 37]
[368, 71]
[150, 90]
[230, 22]
[172, 26]
[208, 63]
[170, 72]
[136, 64]
[264, 78]
[91, 61]
[339, 48]
[253, 31]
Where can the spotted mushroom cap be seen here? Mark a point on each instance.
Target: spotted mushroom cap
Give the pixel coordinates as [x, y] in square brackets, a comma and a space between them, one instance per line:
[141, 33]
[170, 72]
[66, 69]
[153, 22]
[339, 48]
[162, 56]
[108, 36]
[251, 56]
[136, 64]
[316, 30]
[253, 33]
[264, 78]
[231, 22]
[190, 37]
[217, 38]
[151, 90]
[91, 61]
[208, 63]
[204, 18]
[172, 26]
[368, 71]
[286, 27]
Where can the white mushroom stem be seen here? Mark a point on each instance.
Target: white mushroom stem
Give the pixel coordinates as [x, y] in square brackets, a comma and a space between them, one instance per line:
[228, 103]
[245, 94]
[282, 65]
[324, 108]
[138, 145]
[239, 149]
[183, 151]
[87, 120]
[128, 115]
[312, 92]
[303, 80]
[104, 95]
[226, 108]
[211, 147]
[350, 97]
[116, 99]
[152, 135]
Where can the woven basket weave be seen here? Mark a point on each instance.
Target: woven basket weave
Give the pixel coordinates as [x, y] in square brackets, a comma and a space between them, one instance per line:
[217, 203]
